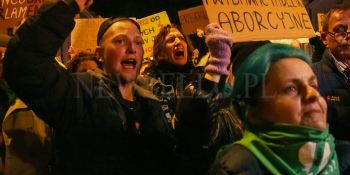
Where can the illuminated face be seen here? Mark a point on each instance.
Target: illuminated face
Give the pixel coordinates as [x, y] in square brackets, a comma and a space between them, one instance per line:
[339, 21]
[175, 47]
[86, 65]
[121, 50]
[290, 96]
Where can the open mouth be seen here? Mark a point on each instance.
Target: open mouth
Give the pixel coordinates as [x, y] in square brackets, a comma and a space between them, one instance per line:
[129, 63]
[179, 53]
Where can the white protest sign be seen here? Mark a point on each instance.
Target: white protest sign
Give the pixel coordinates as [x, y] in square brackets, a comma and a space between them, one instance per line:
[249, 20]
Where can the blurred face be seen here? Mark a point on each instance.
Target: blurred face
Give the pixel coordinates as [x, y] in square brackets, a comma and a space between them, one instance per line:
[291, 96]
[339, 21]
[175, 47]
[121, 50]
[87, 65]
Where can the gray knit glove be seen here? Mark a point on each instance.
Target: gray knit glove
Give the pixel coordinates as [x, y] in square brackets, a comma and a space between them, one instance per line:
[219, 43]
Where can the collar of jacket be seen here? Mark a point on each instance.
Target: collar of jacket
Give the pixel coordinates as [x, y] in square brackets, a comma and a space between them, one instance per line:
[328, 59]
[18, 104]
[140, 91]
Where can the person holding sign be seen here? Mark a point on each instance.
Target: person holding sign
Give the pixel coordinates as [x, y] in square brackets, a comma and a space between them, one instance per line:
[103, 122]
[284, 115]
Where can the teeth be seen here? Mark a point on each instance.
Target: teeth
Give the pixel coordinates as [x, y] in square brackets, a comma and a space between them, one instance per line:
[179, 48]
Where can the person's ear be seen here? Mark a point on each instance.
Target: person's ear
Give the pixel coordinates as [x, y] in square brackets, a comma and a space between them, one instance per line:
[324, 38]
[99, 54]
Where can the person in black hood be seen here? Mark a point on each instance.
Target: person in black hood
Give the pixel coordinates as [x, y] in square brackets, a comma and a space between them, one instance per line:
[104, 123]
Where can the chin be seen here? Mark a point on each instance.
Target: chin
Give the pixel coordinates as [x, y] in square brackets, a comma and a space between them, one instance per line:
[124, 79]
[181, 62]
[320, 126]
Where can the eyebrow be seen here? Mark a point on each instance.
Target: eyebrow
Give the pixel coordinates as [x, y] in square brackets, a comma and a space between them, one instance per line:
[313, 78]
[174, 34]
[139, 37]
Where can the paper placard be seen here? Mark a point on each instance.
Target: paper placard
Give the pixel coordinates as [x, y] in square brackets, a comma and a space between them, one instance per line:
[193, 18]
[251, 20]
[150, 27]
[84, 34]
[13, 11]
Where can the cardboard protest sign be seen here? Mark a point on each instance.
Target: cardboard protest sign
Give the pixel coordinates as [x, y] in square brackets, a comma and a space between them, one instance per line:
[84, 34]
[249, 20]
[320, 18]
[150, 27]
[13, 11]
[193, 18]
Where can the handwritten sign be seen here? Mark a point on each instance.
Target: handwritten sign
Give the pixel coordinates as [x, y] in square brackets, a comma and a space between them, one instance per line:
[13, 11]
[250, 20]
[150, 27]
[320, 18]
[84, 34]
[193, 18]
[17, 9]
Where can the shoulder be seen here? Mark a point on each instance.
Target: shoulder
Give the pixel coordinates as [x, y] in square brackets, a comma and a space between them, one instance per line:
[326, 64]
[90, 79]
[235, 159]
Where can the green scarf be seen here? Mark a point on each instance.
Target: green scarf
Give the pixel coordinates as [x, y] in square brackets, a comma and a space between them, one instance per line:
[290, 149]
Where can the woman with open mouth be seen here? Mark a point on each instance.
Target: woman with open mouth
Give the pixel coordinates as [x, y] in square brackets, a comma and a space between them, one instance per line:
[192, 96]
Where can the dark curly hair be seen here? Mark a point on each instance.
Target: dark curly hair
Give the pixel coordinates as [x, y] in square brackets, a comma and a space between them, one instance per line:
[72, 65]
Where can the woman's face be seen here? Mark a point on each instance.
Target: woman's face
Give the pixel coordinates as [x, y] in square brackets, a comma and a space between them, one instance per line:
[175, 47]
[290, 96]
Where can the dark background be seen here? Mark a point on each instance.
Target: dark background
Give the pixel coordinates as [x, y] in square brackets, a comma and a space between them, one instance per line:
[142, 8]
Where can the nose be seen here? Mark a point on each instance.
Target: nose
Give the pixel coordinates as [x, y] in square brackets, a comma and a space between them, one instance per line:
[177, 41]
[131, 48]
[311, 94]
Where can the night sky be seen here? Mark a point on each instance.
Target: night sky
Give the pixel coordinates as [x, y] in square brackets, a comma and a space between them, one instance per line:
[142, 8]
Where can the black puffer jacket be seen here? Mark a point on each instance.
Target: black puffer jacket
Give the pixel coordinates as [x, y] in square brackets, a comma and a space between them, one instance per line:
[205, 122]
[86, 110]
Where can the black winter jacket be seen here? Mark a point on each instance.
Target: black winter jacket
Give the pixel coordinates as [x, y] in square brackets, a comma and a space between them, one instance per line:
[205, 122]
[86, 110]
[235, 159]
[334, 88]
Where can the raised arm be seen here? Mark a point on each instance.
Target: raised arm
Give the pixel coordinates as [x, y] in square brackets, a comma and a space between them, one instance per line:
[30, 68]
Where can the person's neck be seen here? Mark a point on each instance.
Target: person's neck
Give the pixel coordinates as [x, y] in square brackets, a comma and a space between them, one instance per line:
[126, 91]
[164, 65]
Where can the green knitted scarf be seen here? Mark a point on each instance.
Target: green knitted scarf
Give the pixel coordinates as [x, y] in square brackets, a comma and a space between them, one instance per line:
[290, 149]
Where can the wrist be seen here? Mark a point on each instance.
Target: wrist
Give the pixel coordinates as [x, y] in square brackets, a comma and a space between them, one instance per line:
[212, 77]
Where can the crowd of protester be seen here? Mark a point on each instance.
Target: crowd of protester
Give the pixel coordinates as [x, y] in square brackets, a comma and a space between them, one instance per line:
[227, 108]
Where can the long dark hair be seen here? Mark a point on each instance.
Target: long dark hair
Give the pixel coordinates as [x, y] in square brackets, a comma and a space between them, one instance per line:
[159, 46]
